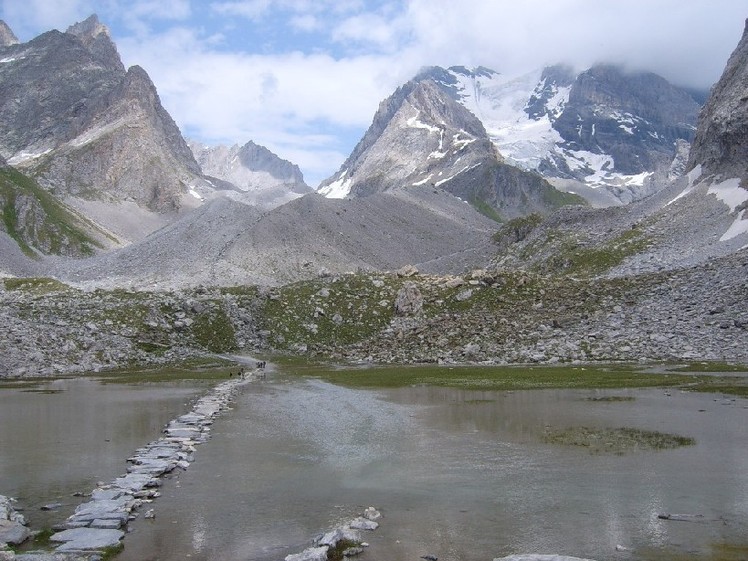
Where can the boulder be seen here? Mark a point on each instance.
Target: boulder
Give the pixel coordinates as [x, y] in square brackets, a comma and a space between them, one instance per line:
[409, 301]
[13, 532]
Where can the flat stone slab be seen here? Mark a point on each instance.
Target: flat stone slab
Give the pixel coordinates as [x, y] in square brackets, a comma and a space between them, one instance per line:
[87, 539]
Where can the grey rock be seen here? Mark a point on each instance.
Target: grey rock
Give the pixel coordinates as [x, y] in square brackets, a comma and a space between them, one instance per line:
[13, 532]
[310, 554]
[86, 539]
[409, 300]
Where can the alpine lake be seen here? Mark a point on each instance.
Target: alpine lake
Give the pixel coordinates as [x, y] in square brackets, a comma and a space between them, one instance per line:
[465, 463]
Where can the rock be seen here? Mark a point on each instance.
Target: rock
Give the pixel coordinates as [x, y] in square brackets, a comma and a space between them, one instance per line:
[464, 295]
[407, 271]
[353, 551]
[310, 554]
[362, 523]
[372, 513]
[50, 506]
[87, 539]
[13, 532]
[409, 300]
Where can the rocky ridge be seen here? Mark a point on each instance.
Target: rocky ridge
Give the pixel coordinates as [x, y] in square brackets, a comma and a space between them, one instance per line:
[603, 128]
[421, 136]
[259, 177]
[721, 143]
[102, 136]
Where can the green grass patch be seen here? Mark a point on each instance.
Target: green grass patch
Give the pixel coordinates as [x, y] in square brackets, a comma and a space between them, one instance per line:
[36, 285]
[615, 441]
[501, 378]
[213, 330]
[168, 374]
[50, 227]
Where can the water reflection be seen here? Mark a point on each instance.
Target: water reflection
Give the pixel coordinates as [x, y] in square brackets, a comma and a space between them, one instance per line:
[458, 474]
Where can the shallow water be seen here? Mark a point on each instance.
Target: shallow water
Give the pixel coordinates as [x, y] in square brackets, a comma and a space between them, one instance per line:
[457, 474]
[61, 437]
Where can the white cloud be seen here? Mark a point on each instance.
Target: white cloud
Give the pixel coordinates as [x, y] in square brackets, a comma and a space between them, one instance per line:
[304, 77]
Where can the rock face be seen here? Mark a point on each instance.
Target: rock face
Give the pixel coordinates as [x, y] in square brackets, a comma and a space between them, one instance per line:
[261, 177]
[7, 37]
[421, 136]
[721, 143]
[73, 118]
[602, 127]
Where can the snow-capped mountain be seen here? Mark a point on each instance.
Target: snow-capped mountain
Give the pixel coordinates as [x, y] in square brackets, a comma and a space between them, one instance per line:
[602, 127]
[422, 136]
[260, 177]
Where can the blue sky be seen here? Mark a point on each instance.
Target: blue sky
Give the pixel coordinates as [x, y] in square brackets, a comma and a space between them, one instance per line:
[304, 77]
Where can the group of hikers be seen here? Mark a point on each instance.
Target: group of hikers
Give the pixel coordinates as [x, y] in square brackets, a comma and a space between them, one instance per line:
[259, 365]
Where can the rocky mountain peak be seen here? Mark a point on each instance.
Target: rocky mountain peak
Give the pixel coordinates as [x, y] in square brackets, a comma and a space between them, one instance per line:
[96, 38]
[721, 142]
[7, 37]
[88, 29]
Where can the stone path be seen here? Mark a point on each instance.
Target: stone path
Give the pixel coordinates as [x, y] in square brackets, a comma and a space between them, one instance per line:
[101, 522]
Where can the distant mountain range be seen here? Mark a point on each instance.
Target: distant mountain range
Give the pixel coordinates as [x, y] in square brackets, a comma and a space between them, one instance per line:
[602, 129]
[92, 162]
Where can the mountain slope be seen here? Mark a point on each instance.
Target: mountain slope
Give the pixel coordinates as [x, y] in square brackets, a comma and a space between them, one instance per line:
[261, 177]
[85, 128]
[602, 127]
[421, 136]
[295, 241]
[721, 143]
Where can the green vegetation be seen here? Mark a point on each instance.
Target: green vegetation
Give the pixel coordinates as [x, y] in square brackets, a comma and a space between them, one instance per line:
[513, 378]
[48, 226]
[574, 259]
[35, 285]
[337, 312]
[109, 553]
[485, 209]
[214, 331]
[209, 372]
[615, 441]
[556, 198]
[517, 229]
[336, 553]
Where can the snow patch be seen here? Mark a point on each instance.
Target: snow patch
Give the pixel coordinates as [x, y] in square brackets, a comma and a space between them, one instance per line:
[338, 189]
[740, 226]
[423, 181]
[195, 194]
[730, 192]
[414, 123]
[22, 157]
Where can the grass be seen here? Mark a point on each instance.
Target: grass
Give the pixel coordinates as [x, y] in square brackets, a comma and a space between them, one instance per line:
[157, 375]
[52, 229]
[214, 331]
[36, 285]
[514, 378]
[615, 441]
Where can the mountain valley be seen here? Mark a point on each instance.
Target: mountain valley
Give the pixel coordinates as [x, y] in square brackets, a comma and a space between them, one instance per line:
[463, 227]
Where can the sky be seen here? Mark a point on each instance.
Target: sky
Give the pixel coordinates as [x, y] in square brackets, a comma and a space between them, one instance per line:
[305, 77]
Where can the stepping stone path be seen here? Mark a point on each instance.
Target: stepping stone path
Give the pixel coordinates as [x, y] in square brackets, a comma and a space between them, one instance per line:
[100, 523]
[349, 532]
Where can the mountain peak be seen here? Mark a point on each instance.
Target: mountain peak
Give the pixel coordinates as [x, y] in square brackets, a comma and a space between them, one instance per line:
[7, 37]
[88, 29]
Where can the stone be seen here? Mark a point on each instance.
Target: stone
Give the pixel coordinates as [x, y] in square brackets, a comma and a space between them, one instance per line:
[310, 554]
[407, 271]
[87, 539]
[362, 523]
[464, 295]
[13, 532]
[372, 513]
[409, 300]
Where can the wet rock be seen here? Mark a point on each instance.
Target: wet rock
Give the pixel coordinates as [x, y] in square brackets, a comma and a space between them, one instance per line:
[310, 554]
[362, 523]
[13, 532]
[87, 539]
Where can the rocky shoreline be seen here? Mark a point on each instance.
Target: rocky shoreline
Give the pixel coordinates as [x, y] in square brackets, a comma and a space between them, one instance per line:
[100, 524]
